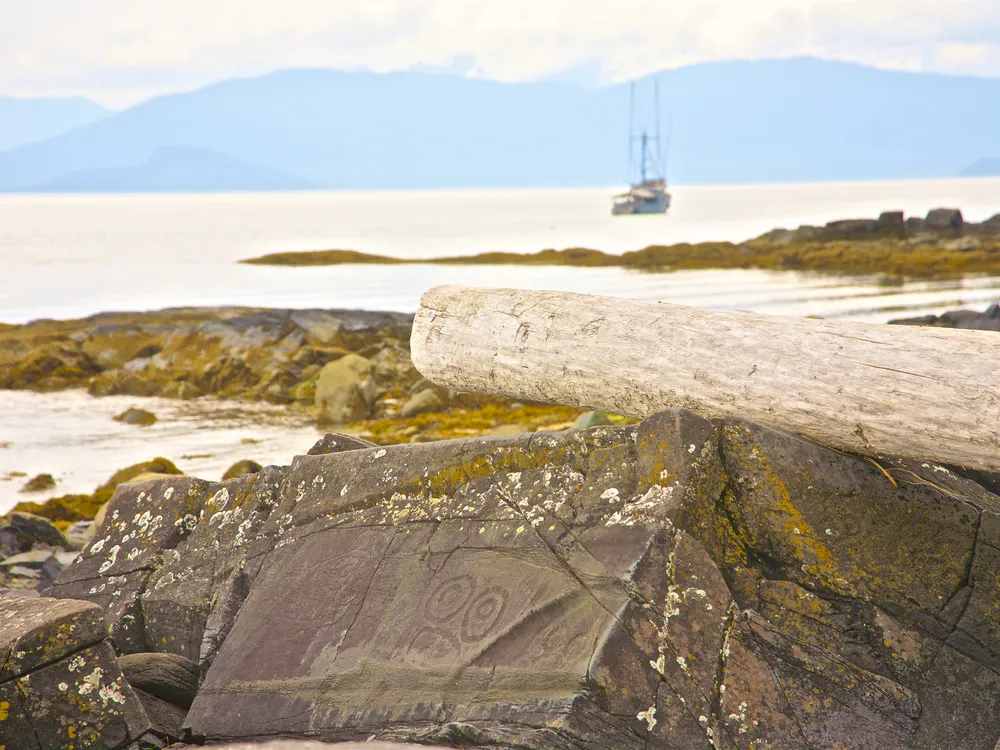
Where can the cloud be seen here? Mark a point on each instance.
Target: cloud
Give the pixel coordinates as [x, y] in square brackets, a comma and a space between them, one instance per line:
[122, 50]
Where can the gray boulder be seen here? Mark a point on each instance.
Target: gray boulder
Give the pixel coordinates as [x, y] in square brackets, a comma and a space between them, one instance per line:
[591, 419]
[142, 521]
[891, 224]
[941, 219]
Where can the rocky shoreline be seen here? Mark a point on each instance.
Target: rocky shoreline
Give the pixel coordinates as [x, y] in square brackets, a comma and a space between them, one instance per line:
[471, 572]
[941, 245]
[346, 368]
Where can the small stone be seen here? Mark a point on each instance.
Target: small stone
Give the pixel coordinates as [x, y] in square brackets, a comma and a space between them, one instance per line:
[39, 483]
[425, 401]
[241, 469]
[136, 416]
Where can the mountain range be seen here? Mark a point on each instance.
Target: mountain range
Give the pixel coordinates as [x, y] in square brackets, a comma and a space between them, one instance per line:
[791, 120]
[29, 120]
[179, 169]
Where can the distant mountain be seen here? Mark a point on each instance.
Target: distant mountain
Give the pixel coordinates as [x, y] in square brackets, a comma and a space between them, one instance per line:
[179, 169]
[29, 120]
[983, 168]
[734, 122]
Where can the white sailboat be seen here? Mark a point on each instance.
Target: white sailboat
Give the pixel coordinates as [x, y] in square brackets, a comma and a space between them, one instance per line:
[649, 195]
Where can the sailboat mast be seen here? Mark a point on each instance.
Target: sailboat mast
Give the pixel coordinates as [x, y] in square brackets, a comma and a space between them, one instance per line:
[642, 163]
[631, 122]
[656, 104]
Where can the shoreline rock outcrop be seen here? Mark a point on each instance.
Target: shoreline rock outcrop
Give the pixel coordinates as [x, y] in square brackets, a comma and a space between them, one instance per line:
[940, 245]
[989, 320]
[681, 582]
[257, 353]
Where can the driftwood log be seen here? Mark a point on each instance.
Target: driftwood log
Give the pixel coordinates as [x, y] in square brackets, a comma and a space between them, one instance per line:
[874, 389]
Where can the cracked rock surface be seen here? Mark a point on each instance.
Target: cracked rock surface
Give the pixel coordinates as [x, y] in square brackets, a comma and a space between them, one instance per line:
[60, 684]
[680, 583]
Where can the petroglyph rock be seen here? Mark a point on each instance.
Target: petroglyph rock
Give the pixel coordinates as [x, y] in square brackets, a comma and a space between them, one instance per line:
[678, 583]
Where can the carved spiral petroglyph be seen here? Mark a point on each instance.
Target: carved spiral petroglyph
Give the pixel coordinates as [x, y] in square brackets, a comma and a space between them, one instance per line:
[458, 614]
[450, 597]
[483, 613]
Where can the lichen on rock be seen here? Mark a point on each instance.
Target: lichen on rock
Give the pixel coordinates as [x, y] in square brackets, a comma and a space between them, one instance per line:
[678, 583]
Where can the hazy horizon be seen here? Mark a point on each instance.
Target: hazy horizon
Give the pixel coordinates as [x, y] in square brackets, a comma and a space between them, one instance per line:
[119, 53]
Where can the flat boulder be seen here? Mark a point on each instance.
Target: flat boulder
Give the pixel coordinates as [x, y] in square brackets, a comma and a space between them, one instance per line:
[850, 229]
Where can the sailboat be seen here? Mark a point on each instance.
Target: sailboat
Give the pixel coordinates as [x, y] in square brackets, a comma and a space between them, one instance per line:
[649, 195]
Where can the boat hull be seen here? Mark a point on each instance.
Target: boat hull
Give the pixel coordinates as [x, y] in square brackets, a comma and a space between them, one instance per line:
[657, 205]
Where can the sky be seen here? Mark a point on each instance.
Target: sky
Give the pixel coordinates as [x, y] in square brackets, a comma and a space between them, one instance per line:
[119, 52]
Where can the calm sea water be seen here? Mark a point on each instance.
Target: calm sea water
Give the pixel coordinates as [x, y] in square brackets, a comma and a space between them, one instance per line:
[68, 256]
[63, 256]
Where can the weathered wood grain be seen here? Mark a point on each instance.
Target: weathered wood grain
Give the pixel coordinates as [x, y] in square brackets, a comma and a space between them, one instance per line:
[925, 393]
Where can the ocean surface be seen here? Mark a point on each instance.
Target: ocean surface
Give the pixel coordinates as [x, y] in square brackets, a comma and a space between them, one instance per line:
[65, 256]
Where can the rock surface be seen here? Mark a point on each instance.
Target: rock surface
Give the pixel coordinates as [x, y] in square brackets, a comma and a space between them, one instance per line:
[345, 390]
[335, 442]
[60, 685]
[678, 583]
[189, 352]
[167, 676]
[969, 319]
[310, 745]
